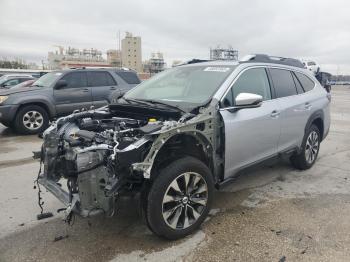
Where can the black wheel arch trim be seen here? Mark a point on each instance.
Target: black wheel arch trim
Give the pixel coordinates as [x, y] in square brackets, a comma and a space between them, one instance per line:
[49, 107]
[315, 115]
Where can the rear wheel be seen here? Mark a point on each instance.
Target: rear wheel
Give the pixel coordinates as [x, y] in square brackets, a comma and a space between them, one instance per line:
[179, 199]
[309, 151]
[31, 119]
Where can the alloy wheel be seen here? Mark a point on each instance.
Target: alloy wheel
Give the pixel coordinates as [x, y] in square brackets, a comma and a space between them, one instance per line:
[33, 120]
[185, 200]
[311, 147]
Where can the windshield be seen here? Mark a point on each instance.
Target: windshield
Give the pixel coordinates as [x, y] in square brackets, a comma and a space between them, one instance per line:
[193, 85]
[3, 79]
[47, 79]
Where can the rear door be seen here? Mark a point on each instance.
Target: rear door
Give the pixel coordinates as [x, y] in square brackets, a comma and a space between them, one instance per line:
[294, 108]
[102, 84]
[76, 95]
[251, 134]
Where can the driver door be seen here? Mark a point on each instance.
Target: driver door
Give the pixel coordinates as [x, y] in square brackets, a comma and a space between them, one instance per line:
[251, 134]
[76, 95]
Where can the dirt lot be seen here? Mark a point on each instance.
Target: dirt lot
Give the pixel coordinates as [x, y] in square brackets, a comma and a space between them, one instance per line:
[271, 214]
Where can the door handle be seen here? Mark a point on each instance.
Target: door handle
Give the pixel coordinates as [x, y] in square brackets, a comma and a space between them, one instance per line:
[308, 106]
[275, 113]
[85, 90]
[112, 88]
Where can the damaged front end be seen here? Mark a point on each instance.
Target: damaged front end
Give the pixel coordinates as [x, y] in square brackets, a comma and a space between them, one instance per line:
[91, 157]
[93, 151]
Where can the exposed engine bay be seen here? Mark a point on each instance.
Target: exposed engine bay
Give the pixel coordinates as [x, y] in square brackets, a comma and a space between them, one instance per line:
[102, 153]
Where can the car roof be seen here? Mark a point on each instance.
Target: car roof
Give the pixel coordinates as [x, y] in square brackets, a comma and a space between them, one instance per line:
[113, 69]
[17, 75]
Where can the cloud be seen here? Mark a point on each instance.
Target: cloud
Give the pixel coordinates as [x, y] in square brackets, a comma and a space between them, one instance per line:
[181, 29]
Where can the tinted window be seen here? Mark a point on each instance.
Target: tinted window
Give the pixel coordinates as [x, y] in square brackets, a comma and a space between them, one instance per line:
[76, 79]
[283, 82]
[306, 82]
[25, 79]
[100, 79]
[298, 85]
[12, 82]
[129, 77]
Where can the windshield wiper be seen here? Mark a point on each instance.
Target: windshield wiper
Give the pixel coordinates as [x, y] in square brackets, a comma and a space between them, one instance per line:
[162, 103]
[135, 101]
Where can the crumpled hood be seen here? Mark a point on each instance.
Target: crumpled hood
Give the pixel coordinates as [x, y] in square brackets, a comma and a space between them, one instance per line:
[10, 91]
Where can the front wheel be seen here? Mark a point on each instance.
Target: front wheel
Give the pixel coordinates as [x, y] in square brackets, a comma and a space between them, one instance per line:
[180, 198]
[309, 151]
[31, 119]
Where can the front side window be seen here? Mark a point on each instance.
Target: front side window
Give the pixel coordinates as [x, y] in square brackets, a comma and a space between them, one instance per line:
[283, 82]
[12, 82]
[306, 82]
[100, 79]
[252, 81]
[75, 80]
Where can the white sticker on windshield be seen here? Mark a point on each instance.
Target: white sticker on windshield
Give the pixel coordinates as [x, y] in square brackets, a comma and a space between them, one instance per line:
[217, 69]
[58, 74]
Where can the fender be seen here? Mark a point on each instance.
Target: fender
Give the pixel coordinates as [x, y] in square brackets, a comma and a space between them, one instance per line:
[38, 99]
[315, 115]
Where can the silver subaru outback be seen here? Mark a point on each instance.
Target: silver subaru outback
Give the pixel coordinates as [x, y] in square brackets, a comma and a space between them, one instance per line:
[176, 137]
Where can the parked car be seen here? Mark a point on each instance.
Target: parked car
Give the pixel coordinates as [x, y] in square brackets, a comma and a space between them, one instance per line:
[25, 83]
[182, 133]
[8, 81]
[29, 109]
[311, 66]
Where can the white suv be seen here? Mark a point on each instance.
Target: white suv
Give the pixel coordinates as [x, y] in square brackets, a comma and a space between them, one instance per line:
[312, 66]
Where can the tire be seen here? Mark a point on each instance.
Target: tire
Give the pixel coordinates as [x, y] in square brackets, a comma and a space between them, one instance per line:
[171, 213]
[309, 149]
[31, 119]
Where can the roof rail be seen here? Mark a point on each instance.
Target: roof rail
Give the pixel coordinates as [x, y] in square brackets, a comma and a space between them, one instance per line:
[262, 58]
[193, 61]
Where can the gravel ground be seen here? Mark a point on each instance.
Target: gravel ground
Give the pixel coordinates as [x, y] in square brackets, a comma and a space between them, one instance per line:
[270, 214]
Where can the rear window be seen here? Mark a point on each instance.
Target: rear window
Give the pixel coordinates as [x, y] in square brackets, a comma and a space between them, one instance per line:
[283, 82]
[306, 82]
[129, 77]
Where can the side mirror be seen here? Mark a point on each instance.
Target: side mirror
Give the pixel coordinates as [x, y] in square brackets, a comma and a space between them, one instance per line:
[61, 84]
[245, 100]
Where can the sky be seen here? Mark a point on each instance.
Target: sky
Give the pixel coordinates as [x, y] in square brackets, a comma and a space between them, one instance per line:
[181, 29]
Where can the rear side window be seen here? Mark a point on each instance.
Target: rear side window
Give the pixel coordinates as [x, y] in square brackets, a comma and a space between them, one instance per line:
[75, 80]
[100, 79]
[298, 85]
[306, 82]
[283, 82]
[129, 77]
[25, 79]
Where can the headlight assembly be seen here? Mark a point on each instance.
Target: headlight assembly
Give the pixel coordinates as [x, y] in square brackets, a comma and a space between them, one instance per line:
[2, 99]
